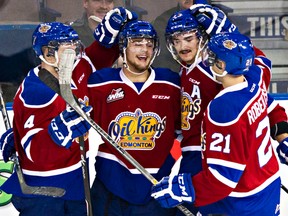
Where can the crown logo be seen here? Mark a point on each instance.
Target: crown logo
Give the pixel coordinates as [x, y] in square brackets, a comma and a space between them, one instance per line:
[137, 130]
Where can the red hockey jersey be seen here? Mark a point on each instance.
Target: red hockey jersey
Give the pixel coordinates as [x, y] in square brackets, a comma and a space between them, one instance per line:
[238, 157]
[142, 122]
[44, 163]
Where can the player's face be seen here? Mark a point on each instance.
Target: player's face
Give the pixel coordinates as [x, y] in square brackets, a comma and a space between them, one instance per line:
[186, 46]
[98, 7]
[56, 47]
[209, 58]
[139, 53]
[185, 4]
[218, 69]
[75, 45]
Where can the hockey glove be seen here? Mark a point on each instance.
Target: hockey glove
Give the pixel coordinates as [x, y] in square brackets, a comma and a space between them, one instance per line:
[212, 19]
[174, 190]
[106, 33]
[7, 144]
[282, 150]
[68, 126]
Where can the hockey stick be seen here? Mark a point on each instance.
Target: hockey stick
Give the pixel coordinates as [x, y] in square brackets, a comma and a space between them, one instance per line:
[85, 176]
[65, 74]
[26, 189]
[284, 188]
[66, 64]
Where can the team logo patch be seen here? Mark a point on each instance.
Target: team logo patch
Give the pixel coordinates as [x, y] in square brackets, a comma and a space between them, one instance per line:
[137, 130]
[85, 100]
[229, 44]
[189, 109]
[203, 144]
[203, 141]
[44, 28]
[116, 94]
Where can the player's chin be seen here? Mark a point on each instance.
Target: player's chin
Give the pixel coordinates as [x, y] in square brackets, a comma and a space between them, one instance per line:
[141, 67]
[188, 58]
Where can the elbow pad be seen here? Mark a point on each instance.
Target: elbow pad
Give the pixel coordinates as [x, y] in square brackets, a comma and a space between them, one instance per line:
[279, 128]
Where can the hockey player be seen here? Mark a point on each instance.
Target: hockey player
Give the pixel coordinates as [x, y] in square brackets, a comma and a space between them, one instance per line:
[185, 40]
[240, 174]
[98, 54]
[36, 108]
[139, 107]
[40, 117]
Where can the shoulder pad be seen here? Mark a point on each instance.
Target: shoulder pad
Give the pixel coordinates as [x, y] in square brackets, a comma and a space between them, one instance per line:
[35, 92]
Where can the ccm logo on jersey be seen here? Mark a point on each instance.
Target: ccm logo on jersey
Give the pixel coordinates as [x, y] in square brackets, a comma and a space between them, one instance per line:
[161, 97]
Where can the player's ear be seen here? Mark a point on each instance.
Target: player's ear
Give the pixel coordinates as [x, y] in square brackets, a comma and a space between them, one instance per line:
[45, 51]
[220, 65]
[48, 55]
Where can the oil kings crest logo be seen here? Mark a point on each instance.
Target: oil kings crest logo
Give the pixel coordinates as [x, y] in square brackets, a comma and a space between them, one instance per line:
[189, 109]
[44, 28]
[229, 44]
[137, 130]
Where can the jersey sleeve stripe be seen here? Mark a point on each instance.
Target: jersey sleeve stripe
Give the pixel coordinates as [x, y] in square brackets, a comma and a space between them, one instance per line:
[26, 141]
[191, 148]
[258, 189]
[226, 163]
[222, 179]
[133, 171]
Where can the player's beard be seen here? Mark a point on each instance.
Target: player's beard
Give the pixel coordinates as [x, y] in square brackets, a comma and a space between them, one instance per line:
[139, 67]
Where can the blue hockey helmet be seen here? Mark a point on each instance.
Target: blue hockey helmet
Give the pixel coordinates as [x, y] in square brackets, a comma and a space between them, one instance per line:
[181, 22]
[138, 29]
[235, 49]
[53, 32]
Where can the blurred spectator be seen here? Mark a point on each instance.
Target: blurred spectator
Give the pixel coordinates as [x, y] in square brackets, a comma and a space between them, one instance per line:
[93, 10]
[165, 59]
[16, 56]
[3, 3]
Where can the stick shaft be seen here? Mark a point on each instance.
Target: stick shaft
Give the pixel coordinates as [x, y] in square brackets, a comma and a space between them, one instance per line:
[65, 69]
[85, 176]
[4, 111]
